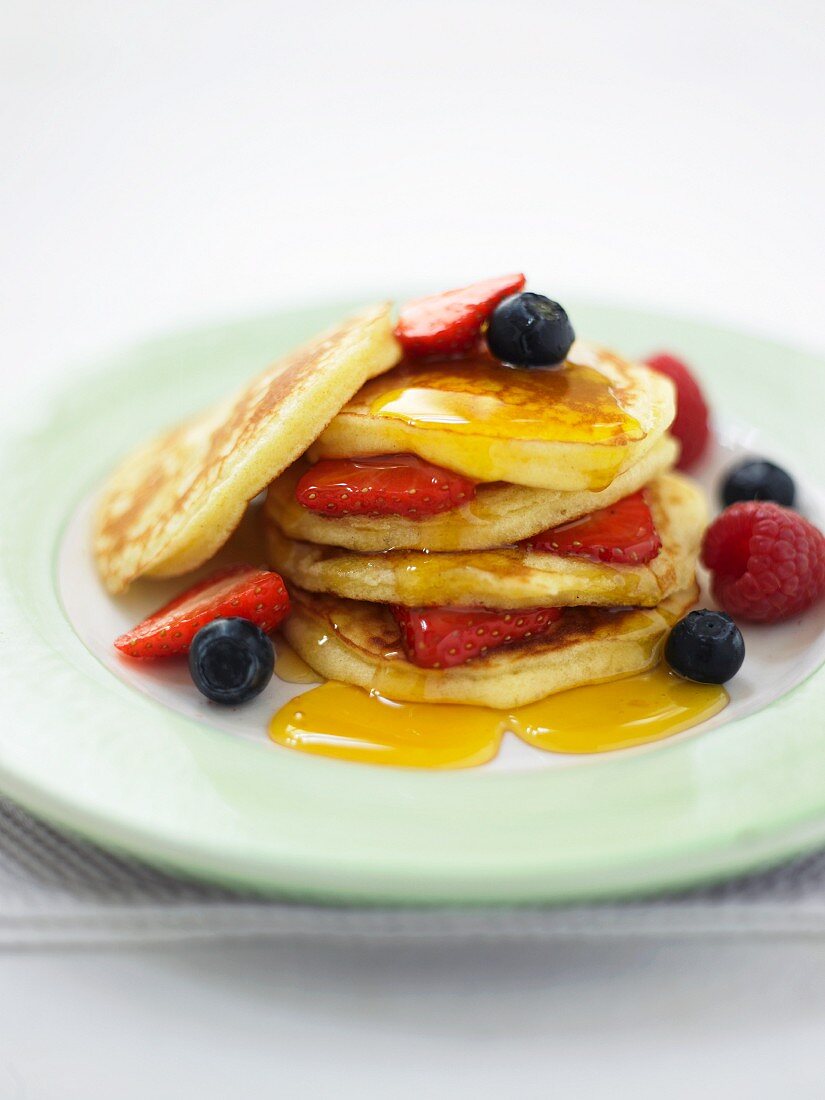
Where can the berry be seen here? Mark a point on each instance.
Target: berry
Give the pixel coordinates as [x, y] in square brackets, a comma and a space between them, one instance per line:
[758, 479]
[529, 330]
[231, 661]
[692, 424]
[623, 533]
[706, 646]
[450, 323]
[440, 637]
[768, 563]
[239, 590]
[382, 485]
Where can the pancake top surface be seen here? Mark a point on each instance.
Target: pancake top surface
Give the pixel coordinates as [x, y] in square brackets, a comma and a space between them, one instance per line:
[567, 428]
[478, 396]
[174, 502]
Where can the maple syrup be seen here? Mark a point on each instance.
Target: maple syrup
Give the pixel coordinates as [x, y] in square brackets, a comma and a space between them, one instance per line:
[480, 397]
[291, 668]
[485, 420]
[618, 714]
[347, 723]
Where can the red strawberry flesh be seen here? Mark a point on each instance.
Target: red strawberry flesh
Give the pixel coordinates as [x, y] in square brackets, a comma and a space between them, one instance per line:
[623, 533]
[381, 485]
[442, 637]
[238, 591]
[450, 323]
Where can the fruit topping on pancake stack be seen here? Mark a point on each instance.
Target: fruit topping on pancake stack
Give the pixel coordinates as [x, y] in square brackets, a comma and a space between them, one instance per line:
[470, 507]
[493, 519]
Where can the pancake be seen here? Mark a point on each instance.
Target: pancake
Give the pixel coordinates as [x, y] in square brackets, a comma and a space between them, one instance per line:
[499, 515]
[512, 577]
[569, 429]
[359, 643]
[174, 502]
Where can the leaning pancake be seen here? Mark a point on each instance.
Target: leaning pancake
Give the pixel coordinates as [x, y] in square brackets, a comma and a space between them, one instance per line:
[573, 428]
[174, 502]
[511, 577]
[499, 516]
[359, 643]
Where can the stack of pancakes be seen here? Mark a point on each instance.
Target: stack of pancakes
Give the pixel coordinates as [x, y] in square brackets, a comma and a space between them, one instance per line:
[543, 447]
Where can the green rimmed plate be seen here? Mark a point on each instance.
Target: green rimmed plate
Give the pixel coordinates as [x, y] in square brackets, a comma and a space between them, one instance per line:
[147, 772]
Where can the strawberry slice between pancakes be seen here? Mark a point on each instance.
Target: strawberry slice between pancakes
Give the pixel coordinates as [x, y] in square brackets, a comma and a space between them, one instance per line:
[381, 485]
[237, 591]
[442, 637]
[621, 534]
[450, 323]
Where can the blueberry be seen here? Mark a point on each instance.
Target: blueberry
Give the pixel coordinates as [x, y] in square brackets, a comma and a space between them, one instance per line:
[231, 660]
[706, 646]
[529, 330]
[758, 479]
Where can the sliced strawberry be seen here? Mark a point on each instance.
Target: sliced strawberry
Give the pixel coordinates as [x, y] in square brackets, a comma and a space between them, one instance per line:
[623, 533]
[381, 485]
[450, 323]
[238, 591]
[440, 637]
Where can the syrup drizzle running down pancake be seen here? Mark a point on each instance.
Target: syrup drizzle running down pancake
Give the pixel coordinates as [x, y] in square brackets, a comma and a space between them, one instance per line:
[573, 428]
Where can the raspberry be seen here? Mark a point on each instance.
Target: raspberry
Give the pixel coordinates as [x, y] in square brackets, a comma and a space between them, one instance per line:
[692, 424]
[768, 563]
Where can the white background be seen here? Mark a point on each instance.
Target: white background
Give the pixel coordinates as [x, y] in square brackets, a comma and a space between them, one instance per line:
[168, 163]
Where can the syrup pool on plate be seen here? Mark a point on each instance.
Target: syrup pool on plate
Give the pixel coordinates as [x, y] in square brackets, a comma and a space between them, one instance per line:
[347, 723]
